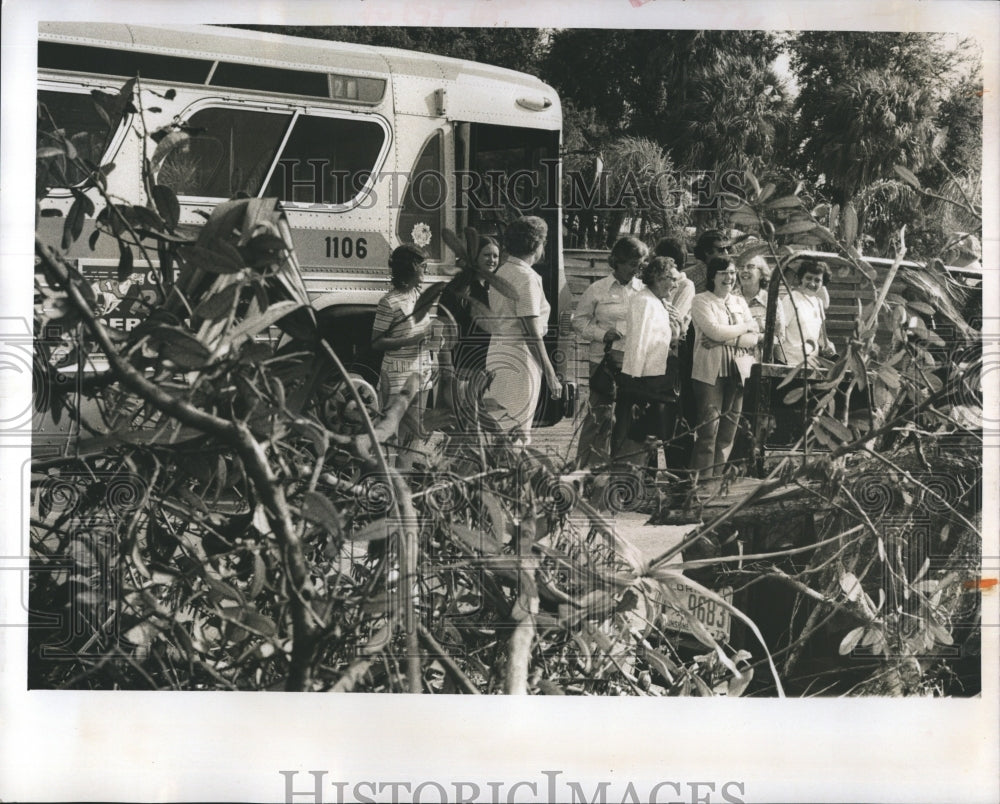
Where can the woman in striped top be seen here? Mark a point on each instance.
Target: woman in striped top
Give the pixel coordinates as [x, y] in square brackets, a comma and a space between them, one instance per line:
[725, 337]
[403, 339]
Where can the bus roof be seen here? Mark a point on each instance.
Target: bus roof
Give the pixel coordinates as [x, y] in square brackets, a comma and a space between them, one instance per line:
[308, 55]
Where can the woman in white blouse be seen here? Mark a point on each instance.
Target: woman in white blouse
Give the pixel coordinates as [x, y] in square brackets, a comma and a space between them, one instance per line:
[517, 357]
[725, 338]
[646, 346]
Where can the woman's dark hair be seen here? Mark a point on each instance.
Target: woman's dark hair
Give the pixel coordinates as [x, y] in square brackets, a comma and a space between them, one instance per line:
[673, 248]
[403, 264]
[809, 266]
[715, 265]
[484, 241]
[524, 235]
[655, 268]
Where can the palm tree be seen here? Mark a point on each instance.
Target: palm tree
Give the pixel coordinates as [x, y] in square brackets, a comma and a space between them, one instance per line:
[874, 121]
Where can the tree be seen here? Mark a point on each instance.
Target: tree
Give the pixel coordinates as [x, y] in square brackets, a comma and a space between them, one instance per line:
[867, 100]
[651, 83]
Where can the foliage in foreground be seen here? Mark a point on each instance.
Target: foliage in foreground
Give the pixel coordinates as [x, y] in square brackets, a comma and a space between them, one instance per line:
[231, 520]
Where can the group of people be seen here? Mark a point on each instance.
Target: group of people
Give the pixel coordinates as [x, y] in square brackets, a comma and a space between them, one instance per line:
[670, 345]
[680, 344]
[506, 344]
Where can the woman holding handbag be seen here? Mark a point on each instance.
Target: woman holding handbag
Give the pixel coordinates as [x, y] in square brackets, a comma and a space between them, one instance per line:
[725, 338]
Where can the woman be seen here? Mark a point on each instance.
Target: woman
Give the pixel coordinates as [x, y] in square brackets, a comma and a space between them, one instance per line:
[403, 339]
[469, 355]
[725, 337]
[517, 356]
[645, 384]
[599, 319]
[754, 278]
[805, 332]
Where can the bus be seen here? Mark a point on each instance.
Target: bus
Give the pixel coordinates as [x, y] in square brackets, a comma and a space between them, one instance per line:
[366, 148]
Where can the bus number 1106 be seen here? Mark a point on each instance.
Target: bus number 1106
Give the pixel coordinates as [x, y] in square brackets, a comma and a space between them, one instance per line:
[346, 247]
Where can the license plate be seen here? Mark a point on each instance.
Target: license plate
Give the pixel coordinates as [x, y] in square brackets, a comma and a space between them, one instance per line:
[710, 613]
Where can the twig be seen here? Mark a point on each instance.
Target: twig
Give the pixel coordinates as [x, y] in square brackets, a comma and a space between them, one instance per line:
[450, 664]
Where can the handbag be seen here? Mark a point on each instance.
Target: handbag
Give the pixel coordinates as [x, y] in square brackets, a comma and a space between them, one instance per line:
[604, 379]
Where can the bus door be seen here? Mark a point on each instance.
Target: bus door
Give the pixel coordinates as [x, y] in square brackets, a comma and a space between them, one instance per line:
[504, 172]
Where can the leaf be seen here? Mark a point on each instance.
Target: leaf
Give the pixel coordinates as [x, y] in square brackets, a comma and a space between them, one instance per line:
[737, 686]
[498, 521]
[889, 376]
[213, 261]
[785, 202]
[258, 622]
[920, 307]
[849, 223]
[457, 246]
[125, 262]
[183, 349]
[320, 511]
[167, 205]
[480, 542]
[174, 139]
[661, 664]
[907, 176]
[547, 687]
[426, 300]
[789, 376]
[259, 577]
[92, 241]
[753, 181]
[794, 396]
[378, 642]
[372, 532]
[258, 323]
[766, 192]
[836, 429]
[823, 437]
[73, 225]
[219, 591]
[940, 633]
[219, 304]
[851, 585]
[795, 227]
[851, 640]
[744, 219]
[48, 152]
[703, 689]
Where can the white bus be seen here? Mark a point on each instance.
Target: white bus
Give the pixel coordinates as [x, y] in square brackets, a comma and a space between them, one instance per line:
[366, 148]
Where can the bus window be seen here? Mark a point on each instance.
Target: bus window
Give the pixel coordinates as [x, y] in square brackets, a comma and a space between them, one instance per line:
[324, 160]
[74, 112]
[327, 160]
[229, 153]
[421, 216]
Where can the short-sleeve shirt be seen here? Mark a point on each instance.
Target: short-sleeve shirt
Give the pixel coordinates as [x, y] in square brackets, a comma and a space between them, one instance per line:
[529, 301]
[392, 317]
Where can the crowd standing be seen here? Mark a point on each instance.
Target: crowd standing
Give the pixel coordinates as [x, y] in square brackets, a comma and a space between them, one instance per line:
[670, 345]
